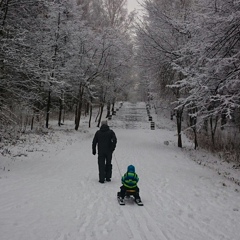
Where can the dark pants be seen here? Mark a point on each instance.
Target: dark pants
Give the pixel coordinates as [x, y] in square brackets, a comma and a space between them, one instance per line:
[135, 194]
[105, 166]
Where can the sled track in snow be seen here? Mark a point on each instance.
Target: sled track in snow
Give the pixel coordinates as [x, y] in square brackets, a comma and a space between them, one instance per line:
[142, 227]
[147, 221]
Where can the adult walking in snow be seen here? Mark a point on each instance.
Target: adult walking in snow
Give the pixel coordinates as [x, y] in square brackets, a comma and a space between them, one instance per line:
[105, 140]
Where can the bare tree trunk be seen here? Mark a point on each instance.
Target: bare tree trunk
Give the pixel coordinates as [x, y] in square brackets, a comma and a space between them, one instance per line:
[78, 115]
[60, 111]
[213, 128]
[179, 126]
[195, 139]
[90, 117]
[113, 108]
[90, 114]
[75, 120]
[48, 107]
[52, 74]
[193, 124]
[79, 107]
[108, 109]
[101, 112]
[32, 122]
[98, 113]
[63, 118]
[223, 120]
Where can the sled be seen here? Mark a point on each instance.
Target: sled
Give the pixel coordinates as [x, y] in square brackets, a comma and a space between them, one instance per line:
[129, 196]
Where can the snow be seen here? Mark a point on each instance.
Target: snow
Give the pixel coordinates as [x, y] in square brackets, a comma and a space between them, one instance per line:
[50, 190]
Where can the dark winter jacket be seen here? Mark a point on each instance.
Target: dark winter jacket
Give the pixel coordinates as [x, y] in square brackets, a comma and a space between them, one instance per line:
[130, 178]
[105, 139]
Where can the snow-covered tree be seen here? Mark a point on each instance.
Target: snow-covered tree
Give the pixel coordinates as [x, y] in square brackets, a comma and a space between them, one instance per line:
[192, 49]
[19, 72]
[209, 61]
[159, 35]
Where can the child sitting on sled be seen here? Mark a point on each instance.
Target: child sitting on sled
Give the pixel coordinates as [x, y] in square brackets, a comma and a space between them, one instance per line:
[129, 181]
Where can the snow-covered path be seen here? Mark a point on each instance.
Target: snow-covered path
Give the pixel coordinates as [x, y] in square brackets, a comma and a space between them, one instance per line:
[55, 194]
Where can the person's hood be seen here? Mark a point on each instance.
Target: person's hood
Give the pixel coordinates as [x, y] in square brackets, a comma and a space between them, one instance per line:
[104, 128]
[131, 168]
[104, 122]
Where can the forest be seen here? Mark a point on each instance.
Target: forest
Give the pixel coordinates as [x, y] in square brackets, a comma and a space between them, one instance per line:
[62, 58]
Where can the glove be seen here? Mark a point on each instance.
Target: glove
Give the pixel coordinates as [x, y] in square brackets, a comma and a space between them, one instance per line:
[94, 152]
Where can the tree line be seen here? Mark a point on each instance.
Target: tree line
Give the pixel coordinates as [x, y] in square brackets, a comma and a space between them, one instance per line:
[189, 56]
[62, 54]
[71, 55]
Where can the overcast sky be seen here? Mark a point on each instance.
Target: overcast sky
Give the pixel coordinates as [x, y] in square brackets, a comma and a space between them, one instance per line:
[133, 4]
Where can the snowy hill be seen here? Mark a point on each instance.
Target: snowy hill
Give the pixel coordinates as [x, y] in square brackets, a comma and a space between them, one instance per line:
[50, 190]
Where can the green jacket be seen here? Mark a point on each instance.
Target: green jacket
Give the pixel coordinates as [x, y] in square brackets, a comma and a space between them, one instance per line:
[130, 180]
